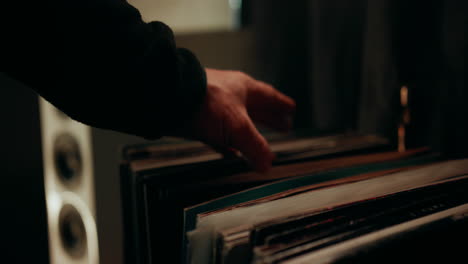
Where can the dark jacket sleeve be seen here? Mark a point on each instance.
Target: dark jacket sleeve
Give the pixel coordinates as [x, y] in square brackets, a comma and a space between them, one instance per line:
[101, 64]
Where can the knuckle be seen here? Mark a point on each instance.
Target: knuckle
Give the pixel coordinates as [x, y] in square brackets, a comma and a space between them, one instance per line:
[242, 75]
[250, 84]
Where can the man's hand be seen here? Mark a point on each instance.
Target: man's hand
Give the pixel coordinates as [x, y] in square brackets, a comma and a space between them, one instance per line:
[232, 101]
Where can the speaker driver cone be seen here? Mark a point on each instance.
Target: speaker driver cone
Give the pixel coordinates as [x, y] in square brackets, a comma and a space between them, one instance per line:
[68, 162]
[72, 232]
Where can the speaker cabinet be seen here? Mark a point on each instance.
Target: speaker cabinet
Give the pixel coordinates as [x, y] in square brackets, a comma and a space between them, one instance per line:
[81, 178]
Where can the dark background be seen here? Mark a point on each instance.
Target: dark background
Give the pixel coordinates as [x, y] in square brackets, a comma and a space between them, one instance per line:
[343, 61]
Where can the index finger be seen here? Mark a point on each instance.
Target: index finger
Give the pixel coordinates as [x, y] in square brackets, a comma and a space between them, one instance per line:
[245, 137]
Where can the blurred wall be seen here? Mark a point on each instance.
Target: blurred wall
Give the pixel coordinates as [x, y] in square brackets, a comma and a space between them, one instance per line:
[189, 16]
[230, 50]
[336, 32]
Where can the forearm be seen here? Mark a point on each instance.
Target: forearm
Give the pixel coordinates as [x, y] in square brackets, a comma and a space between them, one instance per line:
[105, 67]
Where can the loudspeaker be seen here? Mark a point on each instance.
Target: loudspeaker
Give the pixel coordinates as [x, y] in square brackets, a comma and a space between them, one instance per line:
[81, 181]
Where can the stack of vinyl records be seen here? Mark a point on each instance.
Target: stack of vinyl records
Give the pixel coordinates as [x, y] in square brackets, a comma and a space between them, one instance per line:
[335, 199]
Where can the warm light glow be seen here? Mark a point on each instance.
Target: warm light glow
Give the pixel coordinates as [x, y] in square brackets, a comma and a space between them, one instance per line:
[404, 96]
[401, 138]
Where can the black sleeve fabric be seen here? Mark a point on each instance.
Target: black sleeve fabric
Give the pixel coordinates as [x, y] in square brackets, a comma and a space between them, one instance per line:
[100, 63]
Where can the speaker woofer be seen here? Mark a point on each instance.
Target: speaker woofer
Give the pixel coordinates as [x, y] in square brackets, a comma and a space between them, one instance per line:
[72, 232]
[67, 158]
